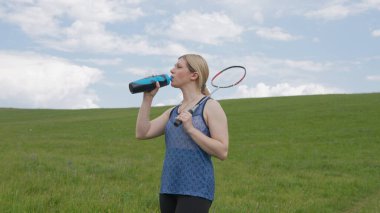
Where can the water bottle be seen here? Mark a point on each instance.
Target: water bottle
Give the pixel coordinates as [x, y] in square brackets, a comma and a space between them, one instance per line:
[149, 83]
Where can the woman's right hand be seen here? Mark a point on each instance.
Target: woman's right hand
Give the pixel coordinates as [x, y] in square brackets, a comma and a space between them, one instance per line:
[152, 93]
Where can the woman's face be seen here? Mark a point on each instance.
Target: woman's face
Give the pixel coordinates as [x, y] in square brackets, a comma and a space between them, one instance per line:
[180, 73]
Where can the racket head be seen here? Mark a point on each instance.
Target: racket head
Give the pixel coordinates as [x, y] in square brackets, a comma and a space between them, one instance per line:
[229, 77]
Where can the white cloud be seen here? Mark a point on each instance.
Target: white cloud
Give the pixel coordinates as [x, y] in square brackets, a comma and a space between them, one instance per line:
[37, 81]
[369, 5]
[82, 26]
[101, 61]
[373, 78]
[260, 10]
[275, 33]
[306, 65]
[330, 13]
[209, 28]
[316, 40]
[267, 66]
[321, 9]
[376, 33]
[246, 10]
[93, 37]
[102, 11]
[48, 18]
[143, 72]
[282, 89]
[341, 9]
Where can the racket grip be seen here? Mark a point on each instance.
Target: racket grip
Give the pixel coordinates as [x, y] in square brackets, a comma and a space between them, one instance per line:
[178, 122]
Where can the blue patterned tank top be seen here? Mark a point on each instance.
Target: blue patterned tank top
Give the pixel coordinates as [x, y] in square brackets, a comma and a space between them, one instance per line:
[187, 169]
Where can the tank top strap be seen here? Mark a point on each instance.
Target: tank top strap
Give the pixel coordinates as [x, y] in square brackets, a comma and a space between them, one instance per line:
[201, 106]
[175, 111]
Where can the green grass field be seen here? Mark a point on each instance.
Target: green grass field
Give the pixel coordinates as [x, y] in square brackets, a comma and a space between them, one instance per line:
[287, 154]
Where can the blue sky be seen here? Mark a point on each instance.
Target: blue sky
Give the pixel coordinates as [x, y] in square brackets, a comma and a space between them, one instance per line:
[83, 53]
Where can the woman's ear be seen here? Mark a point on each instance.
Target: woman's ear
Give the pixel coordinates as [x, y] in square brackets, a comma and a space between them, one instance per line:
[194, 76]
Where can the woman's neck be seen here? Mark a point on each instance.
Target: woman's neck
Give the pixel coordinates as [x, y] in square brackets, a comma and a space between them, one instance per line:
[190, 95]
[190, 98]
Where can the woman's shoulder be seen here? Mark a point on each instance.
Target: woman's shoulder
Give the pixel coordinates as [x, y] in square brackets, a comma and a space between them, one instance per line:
[212, 103]
[213, 106]
[213, 112]
[169, 111]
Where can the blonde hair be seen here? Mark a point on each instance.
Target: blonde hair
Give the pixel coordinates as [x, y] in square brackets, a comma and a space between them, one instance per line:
[196, 63]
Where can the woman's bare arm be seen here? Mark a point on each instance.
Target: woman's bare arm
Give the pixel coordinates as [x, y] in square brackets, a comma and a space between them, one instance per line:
[217, 144]
[146, 128]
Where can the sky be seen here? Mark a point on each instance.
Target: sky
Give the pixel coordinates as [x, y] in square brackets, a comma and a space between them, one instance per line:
[77, 54]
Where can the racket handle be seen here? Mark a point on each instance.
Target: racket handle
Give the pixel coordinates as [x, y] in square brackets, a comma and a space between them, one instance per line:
[178, 122]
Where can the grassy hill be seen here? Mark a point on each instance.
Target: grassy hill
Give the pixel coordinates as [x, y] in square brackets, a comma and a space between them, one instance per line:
[287, 154]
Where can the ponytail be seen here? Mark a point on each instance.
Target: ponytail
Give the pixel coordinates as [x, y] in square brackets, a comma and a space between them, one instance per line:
[205, 91]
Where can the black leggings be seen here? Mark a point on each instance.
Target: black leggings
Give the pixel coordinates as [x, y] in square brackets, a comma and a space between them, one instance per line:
[182, 204]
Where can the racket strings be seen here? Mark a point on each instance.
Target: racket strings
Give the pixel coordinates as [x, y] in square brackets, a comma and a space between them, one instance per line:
[228, 77]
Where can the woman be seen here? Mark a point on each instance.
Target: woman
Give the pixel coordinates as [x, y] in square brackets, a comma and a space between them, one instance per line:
[187, 182]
